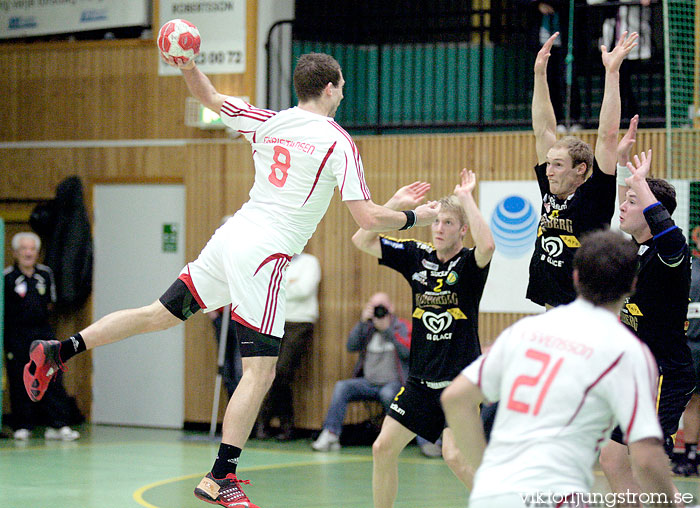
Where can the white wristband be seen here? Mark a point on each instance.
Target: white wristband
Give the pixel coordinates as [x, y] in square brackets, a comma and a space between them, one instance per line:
[623, 172]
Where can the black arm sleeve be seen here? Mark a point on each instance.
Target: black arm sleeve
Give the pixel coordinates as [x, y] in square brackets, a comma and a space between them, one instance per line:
[668, 238]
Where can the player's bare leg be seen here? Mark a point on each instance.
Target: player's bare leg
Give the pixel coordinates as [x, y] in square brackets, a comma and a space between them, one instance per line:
[691, 419]
[455, 460]
[242, 410]
[47, 358]
[687, 465]
[221, 486]
[392, 439]
[615, 463]
[122, 324]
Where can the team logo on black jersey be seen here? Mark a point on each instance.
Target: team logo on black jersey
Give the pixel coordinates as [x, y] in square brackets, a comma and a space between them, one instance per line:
[550, 201]
[430, 265]
[553, 246]
[421, 277]
[437, 322]
[392, 243]
[452, 278]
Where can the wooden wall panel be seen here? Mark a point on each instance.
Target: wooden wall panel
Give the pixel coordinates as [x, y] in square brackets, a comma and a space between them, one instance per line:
[103, 90]
[218, 177]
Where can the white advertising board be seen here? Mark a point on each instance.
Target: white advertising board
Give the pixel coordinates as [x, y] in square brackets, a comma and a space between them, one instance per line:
[29, 18]
[512, 210]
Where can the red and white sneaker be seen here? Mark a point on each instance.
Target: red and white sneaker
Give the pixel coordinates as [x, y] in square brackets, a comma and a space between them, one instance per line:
[225, 492]
[44, 364]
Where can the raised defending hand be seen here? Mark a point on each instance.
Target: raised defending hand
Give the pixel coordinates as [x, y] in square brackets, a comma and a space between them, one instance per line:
[543, 55]
[624, 147]
[172, 63]
[613, 59]
[410, 196]
[426, 214]
[468, 183]
[640, 169]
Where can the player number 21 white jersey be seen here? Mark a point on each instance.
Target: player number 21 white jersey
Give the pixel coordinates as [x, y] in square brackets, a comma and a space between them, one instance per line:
[564, 379]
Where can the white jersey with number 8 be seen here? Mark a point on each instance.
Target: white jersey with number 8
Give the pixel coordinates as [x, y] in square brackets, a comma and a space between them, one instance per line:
[300, 157]
[564, 379]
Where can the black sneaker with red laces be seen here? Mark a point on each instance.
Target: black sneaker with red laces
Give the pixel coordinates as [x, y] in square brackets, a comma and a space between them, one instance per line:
[44, 364]
[225, 492]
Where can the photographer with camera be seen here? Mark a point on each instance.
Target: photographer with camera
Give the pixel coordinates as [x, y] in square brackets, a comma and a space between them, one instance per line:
[383, 341]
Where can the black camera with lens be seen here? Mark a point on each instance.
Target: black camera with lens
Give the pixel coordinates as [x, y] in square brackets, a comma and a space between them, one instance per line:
[380, 311]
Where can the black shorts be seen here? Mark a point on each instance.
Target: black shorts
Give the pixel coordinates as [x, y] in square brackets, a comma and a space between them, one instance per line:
[255, 343]
[417, 407]
[677, 386]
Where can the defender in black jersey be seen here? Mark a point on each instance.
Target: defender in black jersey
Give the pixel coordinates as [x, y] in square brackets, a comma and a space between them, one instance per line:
[447, 281]
[657, 311]
[577, 186]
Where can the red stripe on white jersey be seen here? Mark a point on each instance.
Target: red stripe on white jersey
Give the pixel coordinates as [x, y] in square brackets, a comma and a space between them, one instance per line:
[634, 411]
[592, 385]
[318, 173]
[262, 113]
[281, 261]
[187, 279]
[273, 296]
[345, 174]
[233, 111]
[265, 113]
[248, 115]
[356, 158]
[242, 321]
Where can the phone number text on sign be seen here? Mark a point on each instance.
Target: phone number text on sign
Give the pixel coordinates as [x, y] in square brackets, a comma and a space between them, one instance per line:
[219, 57]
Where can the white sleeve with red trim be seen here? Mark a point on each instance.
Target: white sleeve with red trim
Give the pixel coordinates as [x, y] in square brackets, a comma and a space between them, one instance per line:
[632, 391]
[346, 164]
[487, 371]
[242, 117]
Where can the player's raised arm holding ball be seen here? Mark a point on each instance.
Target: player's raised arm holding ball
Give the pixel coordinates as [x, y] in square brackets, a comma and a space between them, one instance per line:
[241, 116]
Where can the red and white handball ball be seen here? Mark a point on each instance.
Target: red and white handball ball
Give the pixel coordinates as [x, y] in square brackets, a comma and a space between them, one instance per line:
[179, 39]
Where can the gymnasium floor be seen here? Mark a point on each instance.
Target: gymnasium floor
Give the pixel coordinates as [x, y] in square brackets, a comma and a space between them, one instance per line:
[118, 467]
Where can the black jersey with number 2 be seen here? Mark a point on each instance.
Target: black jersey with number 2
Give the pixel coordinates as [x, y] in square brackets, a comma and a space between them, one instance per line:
[445, 305]
[562, 224]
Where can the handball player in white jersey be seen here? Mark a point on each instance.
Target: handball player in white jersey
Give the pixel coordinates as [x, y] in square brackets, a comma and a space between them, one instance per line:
[564, 379]
[301, 155]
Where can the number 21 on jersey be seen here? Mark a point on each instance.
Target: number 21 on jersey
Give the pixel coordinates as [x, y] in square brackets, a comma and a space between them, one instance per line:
[278, 170]
[523, 382]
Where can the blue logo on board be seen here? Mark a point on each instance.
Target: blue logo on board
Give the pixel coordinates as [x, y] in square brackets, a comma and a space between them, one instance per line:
[90, 15]
[21, 22]
[514, 226]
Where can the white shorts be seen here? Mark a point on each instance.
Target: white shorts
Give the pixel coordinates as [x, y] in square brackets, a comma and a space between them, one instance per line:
[242, 265]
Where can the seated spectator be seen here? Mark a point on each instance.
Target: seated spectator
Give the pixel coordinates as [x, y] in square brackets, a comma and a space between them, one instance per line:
[383, 341]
